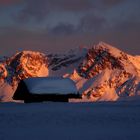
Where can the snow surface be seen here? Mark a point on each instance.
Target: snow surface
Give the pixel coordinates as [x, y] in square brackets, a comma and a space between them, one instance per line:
[70, 121]
[136, 62]
[6, 92]
[85, 85]
[51, 85]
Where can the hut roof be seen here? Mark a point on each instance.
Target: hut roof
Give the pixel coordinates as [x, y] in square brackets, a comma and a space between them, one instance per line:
[50, 85]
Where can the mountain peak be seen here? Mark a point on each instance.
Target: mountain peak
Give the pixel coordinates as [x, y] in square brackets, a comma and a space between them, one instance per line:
[101, 57]
[111, 49]
[26, 64]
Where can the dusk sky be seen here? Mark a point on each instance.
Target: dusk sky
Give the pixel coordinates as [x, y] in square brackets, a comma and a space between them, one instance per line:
[59, 25]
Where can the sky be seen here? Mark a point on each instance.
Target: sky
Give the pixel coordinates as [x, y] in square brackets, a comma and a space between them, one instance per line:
[60, 25]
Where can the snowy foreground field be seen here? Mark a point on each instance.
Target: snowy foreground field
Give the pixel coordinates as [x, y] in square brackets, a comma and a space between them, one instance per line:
[70, 121]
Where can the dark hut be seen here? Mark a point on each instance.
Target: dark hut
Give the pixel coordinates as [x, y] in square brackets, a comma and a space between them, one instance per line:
[41, 89]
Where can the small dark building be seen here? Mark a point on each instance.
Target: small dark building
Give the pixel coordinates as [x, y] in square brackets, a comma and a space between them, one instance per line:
[41, 89]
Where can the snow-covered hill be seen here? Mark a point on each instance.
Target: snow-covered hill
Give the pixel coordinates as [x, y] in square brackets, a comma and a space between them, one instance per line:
[101, 73]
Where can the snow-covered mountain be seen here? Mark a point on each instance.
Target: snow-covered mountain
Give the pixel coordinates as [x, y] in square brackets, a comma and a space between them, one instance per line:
[101, 73]
[107, 74]
[20, 66]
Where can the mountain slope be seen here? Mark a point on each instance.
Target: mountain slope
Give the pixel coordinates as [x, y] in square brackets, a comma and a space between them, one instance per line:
[63, 64]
